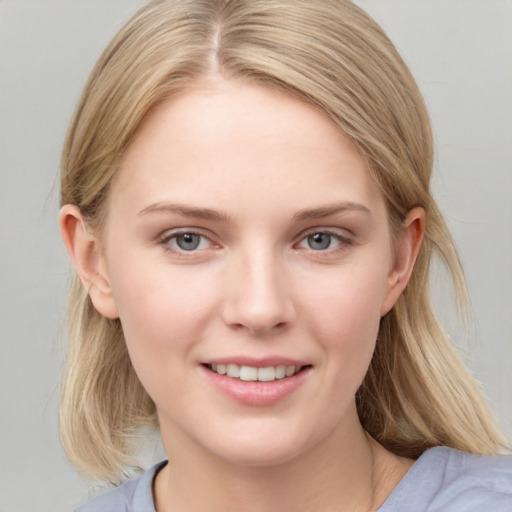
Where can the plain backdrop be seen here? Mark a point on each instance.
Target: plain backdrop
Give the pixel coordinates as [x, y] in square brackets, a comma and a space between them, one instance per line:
[461, 54]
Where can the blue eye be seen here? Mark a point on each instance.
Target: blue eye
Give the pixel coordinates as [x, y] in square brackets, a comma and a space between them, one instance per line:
[187, 241]
[319, 241]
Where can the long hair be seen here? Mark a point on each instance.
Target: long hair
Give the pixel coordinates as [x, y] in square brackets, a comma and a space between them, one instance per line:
[332, 55]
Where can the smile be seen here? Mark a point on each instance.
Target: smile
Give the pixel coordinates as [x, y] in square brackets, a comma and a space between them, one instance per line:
[252, 373]
[257, 383]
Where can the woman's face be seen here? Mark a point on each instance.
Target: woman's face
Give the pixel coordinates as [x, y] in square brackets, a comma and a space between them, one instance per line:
[245, 235]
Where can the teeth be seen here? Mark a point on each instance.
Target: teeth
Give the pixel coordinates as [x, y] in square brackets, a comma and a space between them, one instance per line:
[251, 373]
[290, 370]
[248, 373]
[267, 374]
[280, 371]
[233, 370]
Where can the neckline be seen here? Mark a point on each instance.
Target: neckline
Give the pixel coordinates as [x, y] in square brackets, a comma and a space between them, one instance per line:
[143, 497]
[401, 493]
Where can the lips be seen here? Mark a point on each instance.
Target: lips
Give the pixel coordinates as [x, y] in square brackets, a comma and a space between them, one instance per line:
[254, 373]
[256, 383]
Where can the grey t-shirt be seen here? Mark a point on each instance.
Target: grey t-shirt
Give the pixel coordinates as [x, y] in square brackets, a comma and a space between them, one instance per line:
[441, 480]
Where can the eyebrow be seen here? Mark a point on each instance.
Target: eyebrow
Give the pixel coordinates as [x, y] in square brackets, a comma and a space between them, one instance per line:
[209, 214]
[332, 209]
[185, 211]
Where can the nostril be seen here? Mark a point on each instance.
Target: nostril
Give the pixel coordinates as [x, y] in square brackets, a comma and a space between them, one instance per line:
[259, 306]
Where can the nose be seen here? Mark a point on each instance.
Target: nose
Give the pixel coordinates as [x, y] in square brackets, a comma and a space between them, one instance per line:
[259, 297]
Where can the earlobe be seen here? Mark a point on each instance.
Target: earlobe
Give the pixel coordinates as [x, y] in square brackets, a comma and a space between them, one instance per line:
[85, 252]
[407, 249]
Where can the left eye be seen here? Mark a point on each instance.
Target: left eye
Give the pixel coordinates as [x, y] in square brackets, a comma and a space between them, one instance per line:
[320, 241]
[188, 241]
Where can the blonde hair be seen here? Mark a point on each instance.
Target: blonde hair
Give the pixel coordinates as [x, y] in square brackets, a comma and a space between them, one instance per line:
[417, 393]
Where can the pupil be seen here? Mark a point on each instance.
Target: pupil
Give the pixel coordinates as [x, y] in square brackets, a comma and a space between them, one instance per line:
[319, 241]
[188, 241]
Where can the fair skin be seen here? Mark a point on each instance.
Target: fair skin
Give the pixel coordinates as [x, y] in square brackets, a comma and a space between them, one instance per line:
[244, 228]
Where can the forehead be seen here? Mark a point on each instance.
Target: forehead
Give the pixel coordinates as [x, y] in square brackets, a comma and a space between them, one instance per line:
[222, 140]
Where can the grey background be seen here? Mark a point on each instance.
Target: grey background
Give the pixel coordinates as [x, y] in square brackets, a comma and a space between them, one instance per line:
[460, 52]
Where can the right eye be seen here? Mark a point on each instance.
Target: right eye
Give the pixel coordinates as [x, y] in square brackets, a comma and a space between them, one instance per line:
[321, 241]
[324, 241]
[185, 241]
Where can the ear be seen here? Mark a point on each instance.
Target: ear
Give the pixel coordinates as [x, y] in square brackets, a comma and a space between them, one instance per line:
[406, 252]
[85, 251]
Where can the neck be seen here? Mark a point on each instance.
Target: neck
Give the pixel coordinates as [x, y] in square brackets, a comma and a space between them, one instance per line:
[342, 473]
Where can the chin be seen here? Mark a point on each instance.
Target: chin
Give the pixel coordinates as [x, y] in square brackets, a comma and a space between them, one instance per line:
[262, 447]
[260, 456]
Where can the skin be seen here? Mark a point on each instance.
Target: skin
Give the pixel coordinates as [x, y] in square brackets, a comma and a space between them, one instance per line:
[255, 174]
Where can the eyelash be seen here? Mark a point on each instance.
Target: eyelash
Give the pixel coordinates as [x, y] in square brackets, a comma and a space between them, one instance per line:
[166, 239]
[342, 244]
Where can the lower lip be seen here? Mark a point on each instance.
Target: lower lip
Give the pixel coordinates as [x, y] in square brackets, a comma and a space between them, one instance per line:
[257, 393]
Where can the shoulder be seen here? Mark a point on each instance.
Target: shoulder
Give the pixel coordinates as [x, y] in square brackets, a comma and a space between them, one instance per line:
[448, 480]
[132, 496]
[484, 482]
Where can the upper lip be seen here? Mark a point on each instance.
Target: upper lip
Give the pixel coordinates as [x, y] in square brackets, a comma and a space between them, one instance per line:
[263, 362]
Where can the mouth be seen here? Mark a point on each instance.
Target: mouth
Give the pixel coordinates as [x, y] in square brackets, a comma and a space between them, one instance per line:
[256, 374]
[260, 383]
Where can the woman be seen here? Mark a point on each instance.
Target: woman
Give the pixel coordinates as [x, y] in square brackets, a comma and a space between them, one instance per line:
[245, 191]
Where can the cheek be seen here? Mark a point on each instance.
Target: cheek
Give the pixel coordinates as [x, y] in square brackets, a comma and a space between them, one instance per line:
[345, 314]
[157, 296]
[162, 312]
[350, 297]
